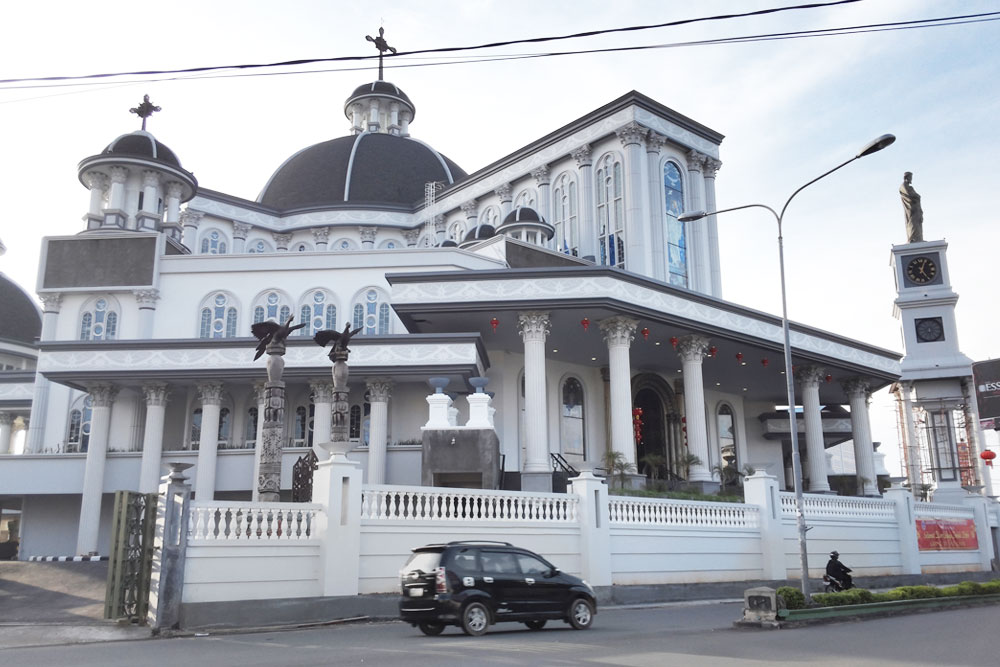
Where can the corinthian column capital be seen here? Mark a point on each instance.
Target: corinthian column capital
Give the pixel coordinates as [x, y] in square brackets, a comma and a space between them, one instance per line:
[379, 390]
[618, 330]
[533, 325]
[810, 375]
[692, 348]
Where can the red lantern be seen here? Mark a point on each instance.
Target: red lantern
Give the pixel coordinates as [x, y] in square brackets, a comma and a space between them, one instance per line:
[494, 323]
[829, 378]
[637, 424]
[712, 350]
[674, 340]
[585, 323]
[764, 362]
[988, 456]
[645, 333]
[739, 357]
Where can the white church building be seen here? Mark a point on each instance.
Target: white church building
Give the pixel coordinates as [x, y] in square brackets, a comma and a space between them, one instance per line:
[560, 272]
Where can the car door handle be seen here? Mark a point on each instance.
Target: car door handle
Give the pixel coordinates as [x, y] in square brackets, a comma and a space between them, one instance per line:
[488, 580]
[529, 581]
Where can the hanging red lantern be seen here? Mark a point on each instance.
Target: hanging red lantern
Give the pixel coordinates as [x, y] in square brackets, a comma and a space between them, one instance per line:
[494, 323]
[988, 456]
[764, 362]
[645, 333]
[637, 424]
[829, 378]
[712, 350]
[739, 357]
[585, 323]
[674, 340]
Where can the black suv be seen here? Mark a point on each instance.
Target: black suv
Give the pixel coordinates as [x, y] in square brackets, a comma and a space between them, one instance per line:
[475, 584]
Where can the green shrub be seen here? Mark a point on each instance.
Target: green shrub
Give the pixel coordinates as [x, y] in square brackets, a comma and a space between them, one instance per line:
[793, 597]
[853, 596]
[990, 587]
[861, 596]
[919, 592]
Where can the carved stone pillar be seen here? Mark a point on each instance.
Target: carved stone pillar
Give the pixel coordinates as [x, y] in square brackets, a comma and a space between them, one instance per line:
[440, 230]
[281, 241]
[858, 393]
[638, 252]
[471, 211]
[809, 378]
[322, 395]
[148, 218]
[98, 184]
[504, 193]
[711, 167]
[619, 333]
[51, 304]
[240, 232]
[657, 233]
[368, 235]
[378, 393]
[588, 230]
[691, 350]
[146, 299]
[259, 395]
[116, 192]
[210, 395]
[700, 273]
[152, 438]
[411, 236]
[534, 327]
[102, 397]
[189, 226]
[541, 176]
[321, 236]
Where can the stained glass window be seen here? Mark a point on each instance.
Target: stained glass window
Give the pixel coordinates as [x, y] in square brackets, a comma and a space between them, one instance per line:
[99, 321]
[565, 221]
[610, 212]
[571, 427]
[218, 318]
[215, 243]
[673, 190]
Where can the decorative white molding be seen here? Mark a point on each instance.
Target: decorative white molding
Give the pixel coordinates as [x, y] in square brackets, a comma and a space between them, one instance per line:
[379, 390]
[321, 234]
[210, 393]
[241, 229]
[533, 325]
[17, 391]
[631, 133]
[146, 297]
[583, 156]
[692, 348]
[619, 330]
[51, 301]
[156, 393]
[102, 395]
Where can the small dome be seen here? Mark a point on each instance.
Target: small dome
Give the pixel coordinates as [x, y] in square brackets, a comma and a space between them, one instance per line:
[448, 243]
[523, 214]
[380, 90]
[525, 219]
[480, 233]
[21, 321]
[142, 144]
[365, 168]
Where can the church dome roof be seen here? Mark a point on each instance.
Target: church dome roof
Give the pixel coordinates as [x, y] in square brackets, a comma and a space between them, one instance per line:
[142, 144]
[480, 233]
[370, 167]
[526, 218]
[380, 90]
[21, 321]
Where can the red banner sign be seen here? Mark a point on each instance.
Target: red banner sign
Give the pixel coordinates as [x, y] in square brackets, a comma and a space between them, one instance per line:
[946, 534]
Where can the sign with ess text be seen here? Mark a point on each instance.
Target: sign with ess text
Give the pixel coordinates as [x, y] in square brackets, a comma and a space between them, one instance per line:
[946, 534]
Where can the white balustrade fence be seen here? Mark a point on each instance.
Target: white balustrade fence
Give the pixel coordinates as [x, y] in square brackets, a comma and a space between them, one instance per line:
[840, 507]
[418, 503]
[231, 522]
[666, 512]
[942, 511]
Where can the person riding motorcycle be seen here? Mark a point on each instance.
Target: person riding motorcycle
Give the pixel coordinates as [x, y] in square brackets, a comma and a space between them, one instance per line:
[838, 573]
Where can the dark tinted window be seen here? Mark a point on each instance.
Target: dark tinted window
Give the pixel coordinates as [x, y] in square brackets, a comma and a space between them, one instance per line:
[426, 561]
[532, 565]
[464, 561]
[498, 562]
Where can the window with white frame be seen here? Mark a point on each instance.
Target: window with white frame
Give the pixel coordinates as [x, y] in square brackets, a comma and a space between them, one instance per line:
[371, 313]
[456, 231]
[571, 424]
[610, 211]
[214, 243]
[302, 247]
[489, 216]
[726, 425]
[224, 432]
[564, 215]
[78, 432]
[273, 306]
[673, 192]
[250, 428]
[217, 317]
[526, 199]
[319, 310]
[99, 320]
[260, 246]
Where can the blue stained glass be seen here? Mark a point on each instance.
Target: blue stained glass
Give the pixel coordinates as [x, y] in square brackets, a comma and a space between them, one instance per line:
[220, 299]
[272, 311]
[231, 323]
[611, 242]
[206, 323]
[319, 297]
[99, 316]
[331, 317]
[258, 314]
[604, 253]
[679, 281]
[272, 299]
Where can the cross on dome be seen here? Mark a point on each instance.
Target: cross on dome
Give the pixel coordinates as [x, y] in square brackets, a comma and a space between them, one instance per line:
[144, 110]
[382, 47]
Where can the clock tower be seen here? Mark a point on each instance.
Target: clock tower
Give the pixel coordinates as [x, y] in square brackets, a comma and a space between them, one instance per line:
[935, 389]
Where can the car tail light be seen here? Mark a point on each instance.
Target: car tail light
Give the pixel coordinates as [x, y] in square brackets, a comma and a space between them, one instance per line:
[441, 580]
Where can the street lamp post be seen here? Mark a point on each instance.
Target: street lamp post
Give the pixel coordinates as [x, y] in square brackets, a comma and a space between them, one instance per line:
[873, 147]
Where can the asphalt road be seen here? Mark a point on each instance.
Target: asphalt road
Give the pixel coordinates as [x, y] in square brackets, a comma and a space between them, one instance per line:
[691, 635]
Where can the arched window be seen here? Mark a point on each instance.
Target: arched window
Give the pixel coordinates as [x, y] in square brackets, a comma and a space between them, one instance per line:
[302, 247]
[78, 435]
[565, 219]
[673, 191]
[225, 428]
[99, 321]
[217, 318]
[371, 313]
[610, 211]
[526, 199]
[258, 247]
[355, 423]
[214, 243]
[319, 310]
[302, 435]
[391, 244]
[489, 216]
[250, 430]
[456, 231]
[343, 245]
[272, 305]
[571, 426]
[727, 437]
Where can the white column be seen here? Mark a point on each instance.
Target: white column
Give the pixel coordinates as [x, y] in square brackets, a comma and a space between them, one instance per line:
[541, 176]
[322, 395]
[51, 303]
[116, 193]
[321, 235]
[595, 529]
[691, 350]
[534, 327]
[809, 378]
[152, 438]
[367, 235]
[632, 137]
[440, 230]
[98, 183]
[6, 422]
[504, 193]
[146, 300]
[588, 232]
[189, 224]
[102, 397]
[861, 431]
[697, 247]
[240, 232]
[471, 211]
[657, 234]
[618, 334]
[913, 475]
[210, 394]
[906, 521]
[281, 241]
[379, 391]
[172, 211]
[260, 395]
[711, 167]
[761, 489]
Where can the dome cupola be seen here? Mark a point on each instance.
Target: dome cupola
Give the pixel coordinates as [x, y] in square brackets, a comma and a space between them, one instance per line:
[524, 224]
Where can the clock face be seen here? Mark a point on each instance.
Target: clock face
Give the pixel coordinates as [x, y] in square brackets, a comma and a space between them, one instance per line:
[930, 330]
[921, 270]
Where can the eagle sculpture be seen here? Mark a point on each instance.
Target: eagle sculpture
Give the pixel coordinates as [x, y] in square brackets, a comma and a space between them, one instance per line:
[272, 332]
[338, 338]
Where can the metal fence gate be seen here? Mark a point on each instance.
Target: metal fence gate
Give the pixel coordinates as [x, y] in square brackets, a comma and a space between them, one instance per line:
[130, 564]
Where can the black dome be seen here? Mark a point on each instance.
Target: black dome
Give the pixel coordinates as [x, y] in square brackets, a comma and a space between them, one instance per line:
[368, 167]
[448, 243]
[142, 144]
[381, 90]
[523, 214]
[21, 321]
[480, 233]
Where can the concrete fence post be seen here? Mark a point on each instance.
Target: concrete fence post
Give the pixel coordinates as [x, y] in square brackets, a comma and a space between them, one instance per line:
[337, 486]
[983, 534]
[761, 489]
[906, 522]
[595, 529]
[166, 586]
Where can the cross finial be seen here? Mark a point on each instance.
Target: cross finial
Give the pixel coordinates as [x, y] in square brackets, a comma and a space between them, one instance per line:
[144, 110]
[382, 47]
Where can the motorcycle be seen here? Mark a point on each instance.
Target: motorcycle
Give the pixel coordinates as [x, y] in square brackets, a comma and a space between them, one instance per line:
[834, 585]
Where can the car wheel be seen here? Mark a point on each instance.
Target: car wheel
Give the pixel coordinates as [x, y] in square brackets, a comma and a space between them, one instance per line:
[432, 629]
[475, 619]
[535, 624]
[581, 614]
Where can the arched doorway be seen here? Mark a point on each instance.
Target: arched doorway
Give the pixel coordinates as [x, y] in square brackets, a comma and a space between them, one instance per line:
[661, 434]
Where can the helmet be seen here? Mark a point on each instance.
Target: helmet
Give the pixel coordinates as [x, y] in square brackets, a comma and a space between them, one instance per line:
[834, 554]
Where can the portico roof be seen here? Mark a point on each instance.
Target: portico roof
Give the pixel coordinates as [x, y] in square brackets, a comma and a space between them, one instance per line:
[470, 300]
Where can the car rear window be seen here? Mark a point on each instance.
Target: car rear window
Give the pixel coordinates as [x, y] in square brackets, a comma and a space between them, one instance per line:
[425, 561]
[464, 560]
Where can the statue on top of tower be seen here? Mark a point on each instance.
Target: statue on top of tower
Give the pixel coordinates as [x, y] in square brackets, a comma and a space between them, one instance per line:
[912, 209]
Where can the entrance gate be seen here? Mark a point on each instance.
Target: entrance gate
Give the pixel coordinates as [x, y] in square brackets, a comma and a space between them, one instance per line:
[131, 561]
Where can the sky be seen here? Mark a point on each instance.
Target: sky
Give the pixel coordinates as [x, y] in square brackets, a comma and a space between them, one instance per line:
[790, 110]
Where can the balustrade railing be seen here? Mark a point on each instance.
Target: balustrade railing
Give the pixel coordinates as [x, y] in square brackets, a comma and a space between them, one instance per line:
[669, 512]
[840, 507]
[390, 503]
[941, 510]
[222, 521]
